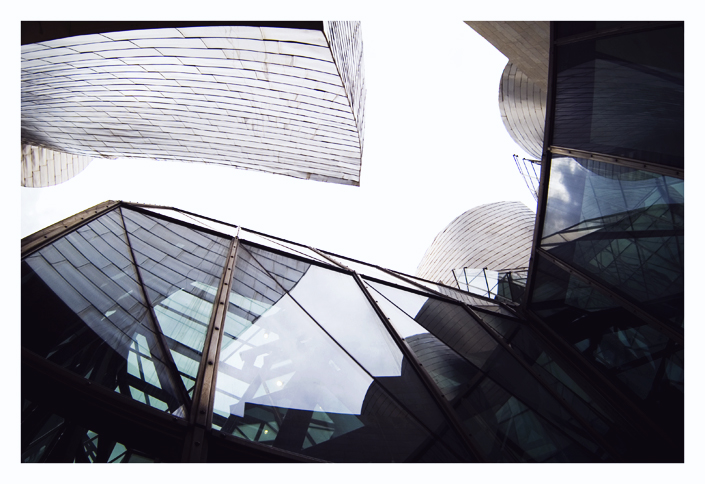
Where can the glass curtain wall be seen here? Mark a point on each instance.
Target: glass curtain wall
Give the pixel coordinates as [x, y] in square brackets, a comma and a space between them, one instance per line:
[607, 272]
[315, 361]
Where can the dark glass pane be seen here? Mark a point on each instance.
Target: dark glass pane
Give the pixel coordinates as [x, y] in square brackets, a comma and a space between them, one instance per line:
[47, 437]
[621, 226]
[91, 317]
[503, 326]
[461, 381]
[284, 381]
[610, 337]
[567, 29]
[623, 95]
[534, 353]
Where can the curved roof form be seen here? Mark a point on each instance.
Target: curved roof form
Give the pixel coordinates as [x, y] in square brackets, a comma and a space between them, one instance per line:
[282, 100]
[494, 236]
[522, 105]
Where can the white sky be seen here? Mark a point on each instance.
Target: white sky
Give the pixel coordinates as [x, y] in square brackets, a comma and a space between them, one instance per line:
[435, 146]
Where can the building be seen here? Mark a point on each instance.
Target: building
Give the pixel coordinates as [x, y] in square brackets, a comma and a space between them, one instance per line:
[154, 334]
[479, 246]
[522, 87]
[280, 97]
[605, 281]
[149, 338]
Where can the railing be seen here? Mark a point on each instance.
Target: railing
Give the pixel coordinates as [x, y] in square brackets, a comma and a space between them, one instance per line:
[531, 172]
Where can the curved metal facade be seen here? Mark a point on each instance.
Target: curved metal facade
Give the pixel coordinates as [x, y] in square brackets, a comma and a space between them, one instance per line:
[525, 44]
[43, 167]
[522, 105]
[495, 236]
[282, 100]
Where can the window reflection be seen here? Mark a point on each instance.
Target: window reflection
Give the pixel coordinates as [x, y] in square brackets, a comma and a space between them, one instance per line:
[622, 226]
[485, 399]
[623, 95]
[298, 376]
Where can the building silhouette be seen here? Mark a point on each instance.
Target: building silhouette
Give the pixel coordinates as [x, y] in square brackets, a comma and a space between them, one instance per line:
[154, 334]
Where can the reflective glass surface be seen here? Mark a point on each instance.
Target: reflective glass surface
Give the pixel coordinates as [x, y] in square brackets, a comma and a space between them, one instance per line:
[610, 337]
[89, 314]
[47, 437]
[623, 95]
[623, 227]
[295, 373]
[181, 270]
[499, 429]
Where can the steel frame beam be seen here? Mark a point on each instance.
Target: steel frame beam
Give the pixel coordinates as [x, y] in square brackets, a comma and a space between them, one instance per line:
[195, 448]
[50, 234]
[545, 168]
[173, 371]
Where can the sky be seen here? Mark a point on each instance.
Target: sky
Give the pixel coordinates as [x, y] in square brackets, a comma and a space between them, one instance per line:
[435, 146]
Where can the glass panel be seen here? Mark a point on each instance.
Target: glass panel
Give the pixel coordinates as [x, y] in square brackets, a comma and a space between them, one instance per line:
[283, 381]
[621, 226]
[524, 343]
[458, 380]
[181, 269]
[501, 325]
[448, 322]
[83, 309]
[623, 95]
[335, 301]
[285, 270]
[47, 437]
[607, 335]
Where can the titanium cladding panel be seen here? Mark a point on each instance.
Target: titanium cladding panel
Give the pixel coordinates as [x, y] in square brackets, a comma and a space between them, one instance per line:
[281, 100]
[522, 105]
[494, 236]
